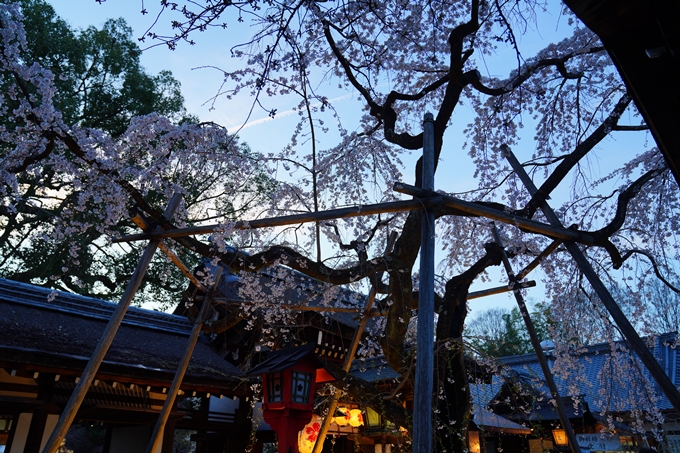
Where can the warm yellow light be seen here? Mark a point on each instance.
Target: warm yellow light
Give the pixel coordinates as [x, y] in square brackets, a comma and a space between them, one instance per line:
[307, 437]
[356, 418]
[342, 420]
[473, 442]
[560, 437]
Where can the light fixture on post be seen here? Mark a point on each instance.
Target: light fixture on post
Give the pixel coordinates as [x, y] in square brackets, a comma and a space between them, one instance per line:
[289, 379]
[560, 436]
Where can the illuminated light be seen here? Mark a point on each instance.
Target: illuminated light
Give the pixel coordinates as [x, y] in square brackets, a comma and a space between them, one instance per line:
[560, 437]
[473, 441]
[356, 418]
[307, 437]
[342, 420]
[373, 418]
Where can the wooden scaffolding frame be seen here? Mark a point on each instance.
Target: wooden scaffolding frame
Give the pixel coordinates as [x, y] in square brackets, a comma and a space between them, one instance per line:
[425, 199]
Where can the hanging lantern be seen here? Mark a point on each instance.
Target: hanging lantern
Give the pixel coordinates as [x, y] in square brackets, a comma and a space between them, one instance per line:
[356, 418]
[343, 418]
[307, 437]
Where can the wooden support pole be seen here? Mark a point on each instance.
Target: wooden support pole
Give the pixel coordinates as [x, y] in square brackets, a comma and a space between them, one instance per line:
[477, 294]
[141, 223]
[480, 210]
[536, 261]
[105, 341]
[291, 306]
[427, 199]
[501, 289]
[351, 351]
[341, 213]
[423, 399]
[157, 435]
[628, 331]
[550, 382]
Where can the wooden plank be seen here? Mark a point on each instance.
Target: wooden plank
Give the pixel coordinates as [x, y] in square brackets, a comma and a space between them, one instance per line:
[480, 210]
[66, 418]
[354, 211]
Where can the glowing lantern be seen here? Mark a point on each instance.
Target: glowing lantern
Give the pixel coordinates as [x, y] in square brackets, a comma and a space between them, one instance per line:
[342, 420]
[473, 442]
[307, 437]
[560, 436]
[356, 418]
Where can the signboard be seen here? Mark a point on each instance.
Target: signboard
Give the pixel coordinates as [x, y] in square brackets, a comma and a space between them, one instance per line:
[599, 442]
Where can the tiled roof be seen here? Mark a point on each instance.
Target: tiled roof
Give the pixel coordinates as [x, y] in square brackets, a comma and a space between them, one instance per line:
[36, 296]
[604, 379]
[275, 285]
[39, 326]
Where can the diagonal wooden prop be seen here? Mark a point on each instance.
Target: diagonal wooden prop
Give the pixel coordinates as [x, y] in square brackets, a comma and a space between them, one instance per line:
[157, 435]
[78, 395]
[318, 446]
[636, 343]
[561, 411]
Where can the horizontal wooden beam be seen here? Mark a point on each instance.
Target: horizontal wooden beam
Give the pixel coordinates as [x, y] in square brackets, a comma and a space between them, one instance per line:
[475, 294]
[480, 210]
[307, 217]
[297, 307]
[500, 289]
[426, 199]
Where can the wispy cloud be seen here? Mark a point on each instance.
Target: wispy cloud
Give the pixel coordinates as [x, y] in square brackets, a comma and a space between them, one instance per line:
[278, 115]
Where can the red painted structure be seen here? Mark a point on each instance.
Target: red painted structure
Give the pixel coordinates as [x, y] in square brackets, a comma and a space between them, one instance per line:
[289, 378]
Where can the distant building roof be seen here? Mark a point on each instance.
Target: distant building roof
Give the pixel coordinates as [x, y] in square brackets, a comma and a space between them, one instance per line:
[599, 376]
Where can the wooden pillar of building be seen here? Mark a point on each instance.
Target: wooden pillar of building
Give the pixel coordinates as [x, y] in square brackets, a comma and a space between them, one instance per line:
[39, 428]
[169, 435]
[240, 438]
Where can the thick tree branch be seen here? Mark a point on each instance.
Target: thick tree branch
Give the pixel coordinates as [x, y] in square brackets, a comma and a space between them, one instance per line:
[529, 70]
[655, 266]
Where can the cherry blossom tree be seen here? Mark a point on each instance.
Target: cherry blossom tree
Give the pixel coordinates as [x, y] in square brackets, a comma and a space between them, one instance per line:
[401, 58]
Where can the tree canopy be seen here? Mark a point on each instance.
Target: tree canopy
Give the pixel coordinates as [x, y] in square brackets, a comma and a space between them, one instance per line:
[401, 58]
[99, 83]
[499, 332]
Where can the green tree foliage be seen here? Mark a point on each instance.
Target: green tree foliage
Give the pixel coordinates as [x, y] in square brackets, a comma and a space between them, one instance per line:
[100, 80]
[499, 332]
[100, 83]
